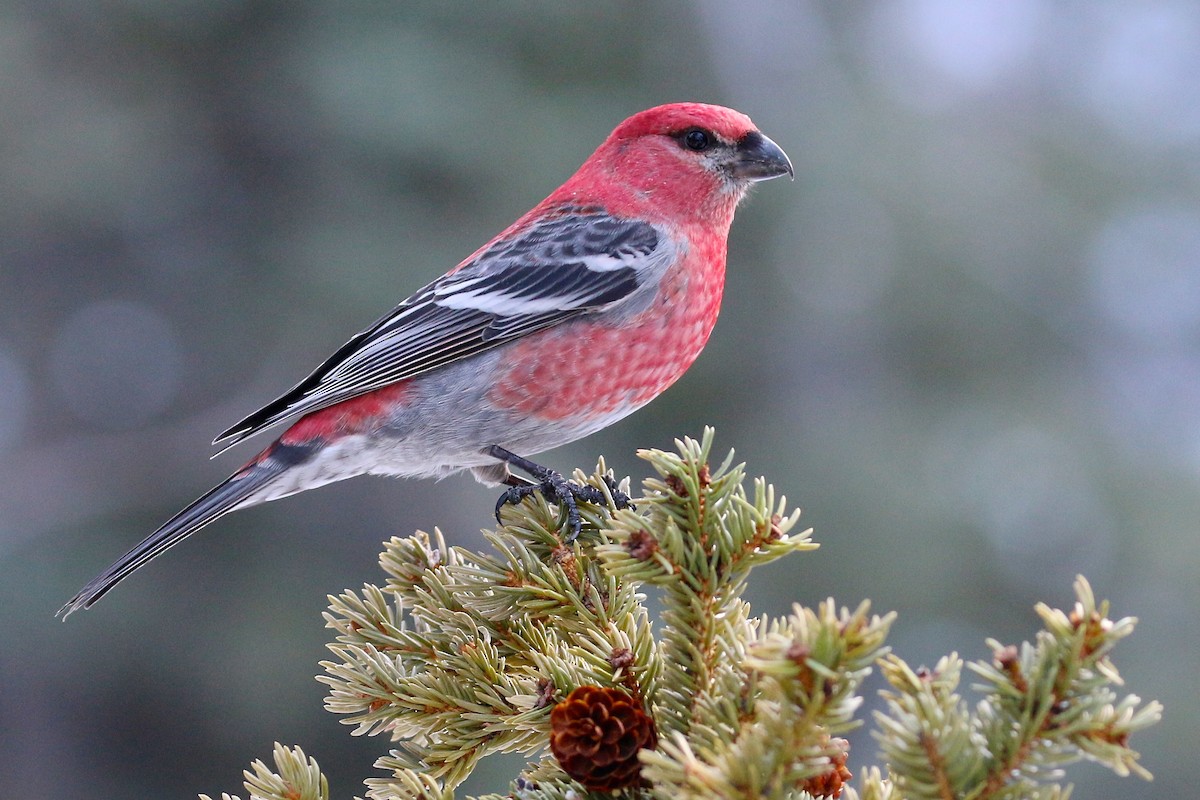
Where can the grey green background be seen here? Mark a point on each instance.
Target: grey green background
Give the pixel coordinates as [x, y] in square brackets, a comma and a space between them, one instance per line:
[966, 340]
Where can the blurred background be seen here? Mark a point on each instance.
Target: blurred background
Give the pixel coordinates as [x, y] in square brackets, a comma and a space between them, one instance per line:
[966, 340]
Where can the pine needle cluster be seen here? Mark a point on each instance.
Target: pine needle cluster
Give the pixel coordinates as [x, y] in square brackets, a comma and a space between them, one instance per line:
[461, 654]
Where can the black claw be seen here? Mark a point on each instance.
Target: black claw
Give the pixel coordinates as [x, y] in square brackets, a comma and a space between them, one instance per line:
[620, 499]
[514, 495]
[556, 489]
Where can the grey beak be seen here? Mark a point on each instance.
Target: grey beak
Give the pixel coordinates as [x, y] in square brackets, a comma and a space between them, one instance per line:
[757, 158]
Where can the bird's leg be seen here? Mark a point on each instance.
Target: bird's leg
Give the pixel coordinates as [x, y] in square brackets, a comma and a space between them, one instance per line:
[554, 487]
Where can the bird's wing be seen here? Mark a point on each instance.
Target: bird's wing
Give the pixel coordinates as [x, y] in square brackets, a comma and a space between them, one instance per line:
[557, 268]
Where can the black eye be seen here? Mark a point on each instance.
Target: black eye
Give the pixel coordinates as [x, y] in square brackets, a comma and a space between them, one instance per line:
[698, 140]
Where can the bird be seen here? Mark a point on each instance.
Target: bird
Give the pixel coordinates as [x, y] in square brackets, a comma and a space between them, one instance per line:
[579, 313]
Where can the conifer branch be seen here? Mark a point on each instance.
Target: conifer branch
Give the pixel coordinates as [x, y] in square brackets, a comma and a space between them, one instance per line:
[1048, 703]
[296, 777]
[541, 646]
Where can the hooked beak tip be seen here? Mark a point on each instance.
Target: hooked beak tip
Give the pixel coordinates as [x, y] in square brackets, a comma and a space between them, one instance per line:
[757, 158]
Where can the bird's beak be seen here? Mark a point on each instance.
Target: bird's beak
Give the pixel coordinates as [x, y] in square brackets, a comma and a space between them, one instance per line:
[757, 158]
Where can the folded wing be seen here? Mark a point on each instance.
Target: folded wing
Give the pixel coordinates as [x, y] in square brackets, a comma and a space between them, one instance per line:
[573, 263]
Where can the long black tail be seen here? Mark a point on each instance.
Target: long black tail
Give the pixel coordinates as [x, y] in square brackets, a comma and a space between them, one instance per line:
[216, 503]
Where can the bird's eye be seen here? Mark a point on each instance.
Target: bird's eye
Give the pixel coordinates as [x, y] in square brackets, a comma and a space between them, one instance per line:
[698, 140]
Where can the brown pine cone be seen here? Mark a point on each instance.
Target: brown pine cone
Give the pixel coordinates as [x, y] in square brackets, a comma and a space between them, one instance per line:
[595, 735]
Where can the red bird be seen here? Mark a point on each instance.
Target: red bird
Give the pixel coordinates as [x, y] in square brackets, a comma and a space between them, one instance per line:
[582, 311]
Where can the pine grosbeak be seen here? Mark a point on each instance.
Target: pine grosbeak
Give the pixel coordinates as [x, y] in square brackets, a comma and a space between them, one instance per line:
[581, 312]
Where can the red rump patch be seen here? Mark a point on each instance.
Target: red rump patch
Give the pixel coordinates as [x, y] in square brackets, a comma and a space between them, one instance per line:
[349, 416]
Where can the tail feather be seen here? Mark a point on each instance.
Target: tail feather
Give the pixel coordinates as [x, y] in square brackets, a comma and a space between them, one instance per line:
[216, 503]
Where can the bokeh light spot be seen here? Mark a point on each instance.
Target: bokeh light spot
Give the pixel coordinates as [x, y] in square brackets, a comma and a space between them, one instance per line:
[116, 364]
[1145, 272]
[929, 52]
[1141, 74]
[14, 399]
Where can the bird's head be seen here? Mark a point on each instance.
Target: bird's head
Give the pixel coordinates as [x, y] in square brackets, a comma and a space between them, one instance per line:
[690, 155]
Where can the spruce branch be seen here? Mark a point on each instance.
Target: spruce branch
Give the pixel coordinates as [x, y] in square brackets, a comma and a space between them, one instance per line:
[1048, 704]
[296, 777]
[697, 539]
[545, 647]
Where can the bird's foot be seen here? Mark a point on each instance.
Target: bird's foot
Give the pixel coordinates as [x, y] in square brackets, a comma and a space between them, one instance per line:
[555, 488]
